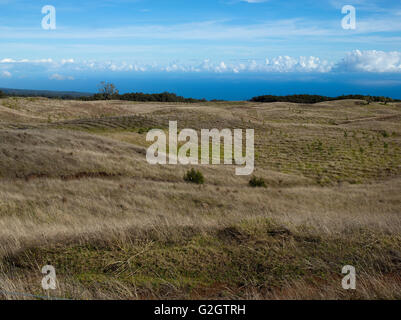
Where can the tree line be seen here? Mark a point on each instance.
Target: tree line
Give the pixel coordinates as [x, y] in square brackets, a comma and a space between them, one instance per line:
[143, 97]
[307, 98]
[108, 91]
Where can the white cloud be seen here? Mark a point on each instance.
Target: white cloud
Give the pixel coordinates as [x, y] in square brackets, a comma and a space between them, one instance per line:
[370, 61]
[64, 61]
[301, 64]
[60, 77]
[221, 67]
[56, 76]
[6, 74]
[9, 60]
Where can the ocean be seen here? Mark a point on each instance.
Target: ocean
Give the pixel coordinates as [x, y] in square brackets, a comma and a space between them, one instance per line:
[225, 86]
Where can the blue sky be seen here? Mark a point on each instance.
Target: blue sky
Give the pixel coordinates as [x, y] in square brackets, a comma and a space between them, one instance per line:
[226, 39]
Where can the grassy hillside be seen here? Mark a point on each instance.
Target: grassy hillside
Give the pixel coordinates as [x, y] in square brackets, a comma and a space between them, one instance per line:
[76, 192]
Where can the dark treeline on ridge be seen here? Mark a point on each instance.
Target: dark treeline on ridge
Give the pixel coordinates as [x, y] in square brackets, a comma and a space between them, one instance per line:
[143, 97]
[172, 97]
[307, 98]
[42, 93]
[134, 96]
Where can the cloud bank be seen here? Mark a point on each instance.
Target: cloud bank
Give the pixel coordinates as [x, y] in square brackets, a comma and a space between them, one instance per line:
[371, 61]
[355, 61]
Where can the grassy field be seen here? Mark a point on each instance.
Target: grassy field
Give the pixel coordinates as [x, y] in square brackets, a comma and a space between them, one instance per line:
[77, 192]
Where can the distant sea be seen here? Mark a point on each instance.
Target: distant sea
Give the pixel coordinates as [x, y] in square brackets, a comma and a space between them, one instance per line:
[225, 86]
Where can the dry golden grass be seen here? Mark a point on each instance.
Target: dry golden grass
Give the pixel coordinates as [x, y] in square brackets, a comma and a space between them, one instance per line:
[76, 192]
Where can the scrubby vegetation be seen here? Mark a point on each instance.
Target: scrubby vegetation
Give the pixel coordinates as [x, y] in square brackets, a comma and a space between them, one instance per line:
[257, 182]
[194, 176]
[107, 91]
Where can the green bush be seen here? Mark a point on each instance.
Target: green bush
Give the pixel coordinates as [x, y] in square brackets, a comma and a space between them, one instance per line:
[257, 182]
[384, 133]
[144, 130]
[194, 176]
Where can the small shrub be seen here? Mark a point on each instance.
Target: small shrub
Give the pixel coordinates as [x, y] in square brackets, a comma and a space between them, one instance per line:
[257, 182]
[194, 176]
[384, 133]
[144, 130]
